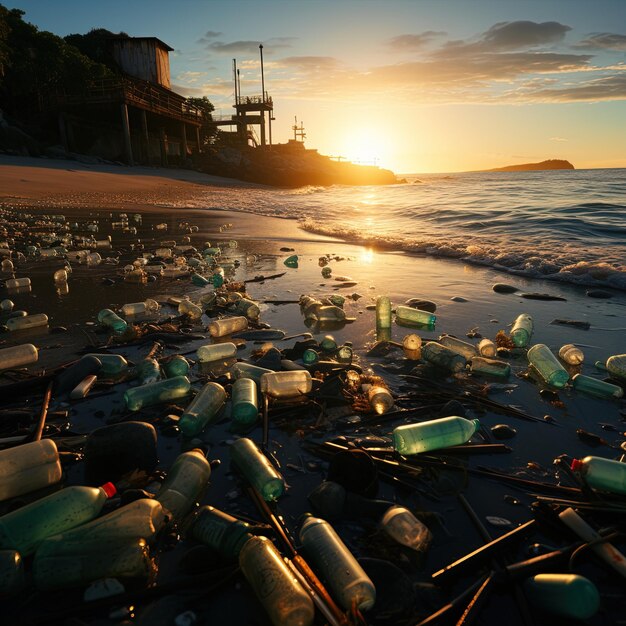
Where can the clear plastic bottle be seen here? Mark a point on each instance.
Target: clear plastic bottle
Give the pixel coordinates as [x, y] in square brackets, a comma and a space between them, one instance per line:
[522, 330]
[112, 364]
[203, 409]
[616, 365]
[26, 322]
[25, 528]
[222, 532]
[596, 388]
[12, 579]
[14, 283]
[18, 356]
[414, 316]
[245, 410]
[348, 582]
[28, 467]
[227, 326]
[185, 481]
[603, 474]
[443, 357]
[149, 306]
[490, 367]
[154, 393]
[7, 266]
[276, 587]
[412, 347]
[383, 312]
[433, 434]
[402, 526]
[330, 313]
[247, 308]
[309, 307]
[257, 469]
[487, 348]
[459, 346]
[547, 366]
[571, 355]
[6, 305]
[247, 370]
[177, 365]
[216, 352]
[187, 307]
[60, 276]
[566, 595]
[113, 321]
[380, 399]
[66, 564]
[286, 384]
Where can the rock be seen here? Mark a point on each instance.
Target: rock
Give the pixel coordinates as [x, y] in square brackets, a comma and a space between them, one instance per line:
[503, 431]
[598, 293]
[503, 288]
[74, 374]
[422, 305]
[112, 451]
[458, 299]
[541, 296]
[454, 407]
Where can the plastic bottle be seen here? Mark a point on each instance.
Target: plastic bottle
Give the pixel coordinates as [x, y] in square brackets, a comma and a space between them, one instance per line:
[256, 468]
[310, 356]
[247, 308]
[6, 305]
[330, 313]
[18, 356]
[276, 587]
[185, 481]
[344, 354]
[216, 352]
[176, 366]
[148, 371]
[566, 595]
[383, 312]
[222, 532]
[7, 266]
[25, 528]
[60, 276]
[309, 307]
[414, 316]
[601, 473]
[402, 526]
[443, 357]
[490, 367]
[348, 582]
[247, 370]
[616, 365]
[380, 399]
[187, 307]
[113, 321]
[412, 347]
[83, 387]
[227, 326]
[28, 467]
[200, 281]
[12, 577]
[141, 308]
[571, 355]
[522, 330]
[597, 388]
[26, 322]
[547, 366]
[204, 408]
[154, 393]
[433, 435]
[78, 563]
[112, 364]
[463, 348]
[487, 348]
[286, 384]
[245, 410]
[14, 283]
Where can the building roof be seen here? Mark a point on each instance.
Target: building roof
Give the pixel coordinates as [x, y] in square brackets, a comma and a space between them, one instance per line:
[162, 43]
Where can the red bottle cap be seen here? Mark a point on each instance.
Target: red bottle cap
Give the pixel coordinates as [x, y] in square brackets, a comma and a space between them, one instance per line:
[576, 465]
[109, 489]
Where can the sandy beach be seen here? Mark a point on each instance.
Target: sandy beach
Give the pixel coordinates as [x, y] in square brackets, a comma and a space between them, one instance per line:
[466, 304]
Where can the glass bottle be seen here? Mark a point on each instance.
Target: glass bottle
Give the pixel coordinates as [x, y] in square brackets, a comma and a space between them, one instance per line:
[247, 308]
[491, 367]
[412, 347]
[616, 365]
[597, 388]
[18, 356]
[185, 481]
[112, 364]
[222, 532]
[487, 348]
[203, 409]
[155, 393]
[148, 371]
[149, 306]
[566, 595]
[402, 526]
[28, 321]
[257, 469]
[177, 365]
[14, 283]
[380, 399]
[383, 312]
[433, 434]
[276, 587]
[286, 384]
[245, 410]
[571, 354]
[414, 316]
[459, 346]
[522, 330]
[247, 370]
[216, 352]
[601, 473]
[113, 321]
[348, 582]
[443, 357]
[310, 356]
[547, 366]
[187, 307]
[227, 326]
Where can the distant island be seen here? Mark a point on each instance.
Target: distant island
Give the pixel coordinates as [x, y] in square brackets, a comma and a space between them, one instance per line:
[550, 164]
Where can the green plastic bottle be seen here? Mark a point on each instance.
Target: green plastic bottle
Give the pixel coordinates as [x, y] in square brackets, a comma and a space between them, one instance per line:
[414, 316]
[220, 531]
[112, 364]
[245, 409]
[310, 356]
[433, 435]
[601, 473]
[148, 371]
[337, 566]
[113, 321]
[328, 344]
[257, 469]
[547, 366]
[490, 367]
[596, 388]
[566, 595]
[522, 330]
[204, 408]
[443, 357]
[154, 393]
[275, 585]
[247, 370]
[383, 312]
[185, 481]
[178, 365]
[25, 528]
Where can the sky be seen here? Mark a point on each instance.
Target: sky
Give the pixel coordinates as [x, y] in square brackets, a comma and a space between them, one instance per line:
[412, 85]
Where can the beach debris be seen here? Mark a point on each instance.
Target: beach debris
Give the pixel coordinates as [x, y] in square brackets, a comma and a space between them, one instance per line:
[591, 438]
[499, 521]
[458, 299]
[598, 293]
[541, 296]
[522, 330]
[503, 288]
[422, 305]
[542, 360]
[503, 431]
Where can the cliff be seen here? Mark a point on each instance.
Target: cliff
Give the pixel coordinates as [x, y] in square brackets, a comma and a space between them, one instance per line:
[550, 164]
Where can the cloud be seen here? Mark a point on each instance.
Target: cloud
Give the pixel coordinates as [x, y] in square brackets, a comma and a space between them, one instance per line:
[412, 42]
[612, 87]
[249, 47]
[208, 36]
[558, 139]
[602, 41]
[309, 63]
[523, 34]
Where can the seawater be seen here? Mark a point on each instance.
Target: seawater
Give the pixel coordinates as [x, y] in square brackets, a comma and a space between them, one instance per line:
[566, 225]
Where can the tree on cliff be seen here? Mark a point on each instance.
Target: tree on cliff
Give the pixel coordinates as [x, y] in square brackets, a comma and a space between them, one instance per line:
[208, 132]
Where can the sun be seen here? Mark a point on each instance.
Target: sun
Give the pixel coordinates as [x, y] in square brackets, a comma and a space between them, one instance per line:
[366, 147]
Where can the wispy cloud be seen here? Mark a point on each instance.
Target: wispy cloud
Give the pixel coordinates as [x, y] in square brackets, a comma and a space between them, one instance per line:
[559, 139]
[602, 41]
[415, 41]
[246, 46]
